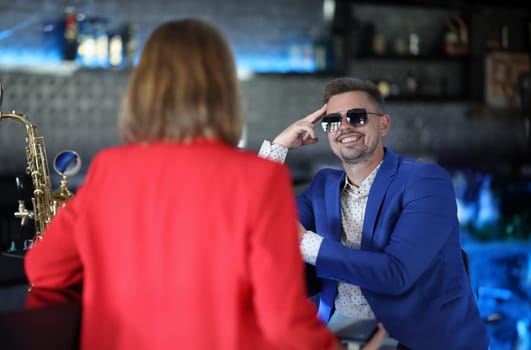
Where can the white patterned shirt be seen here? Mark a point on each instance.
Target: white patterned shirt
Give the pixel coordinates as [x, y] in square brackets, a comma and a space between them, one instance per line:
[349, 300]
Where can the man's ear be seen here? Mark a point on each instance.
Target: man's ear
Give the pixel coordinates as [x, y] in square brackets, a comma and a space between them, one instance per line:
[385, 124]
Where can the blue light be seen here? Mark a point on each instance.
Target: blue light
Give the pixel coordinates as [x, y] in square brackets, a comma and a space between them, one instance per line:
[19, 26]
[273, 64]
[29, 57]
[488, 212]
[248, 62]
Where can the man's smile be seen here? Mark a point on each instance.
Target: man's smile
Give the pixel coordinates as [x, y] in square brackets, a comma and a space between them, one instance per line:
[349, 138]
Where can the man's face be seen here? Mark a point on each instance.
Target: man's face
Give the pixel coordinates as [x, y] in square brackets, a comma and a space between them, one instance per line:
[357, 144]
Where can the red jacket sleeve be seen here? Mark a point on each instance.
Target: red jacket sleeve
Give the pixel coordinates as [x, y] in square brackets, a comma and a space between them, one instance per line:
[53, 261]
[285, 314]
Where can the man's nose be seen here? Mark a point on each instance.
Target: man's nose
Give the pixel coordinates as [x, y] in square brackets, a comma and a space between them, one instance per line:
[344, 121]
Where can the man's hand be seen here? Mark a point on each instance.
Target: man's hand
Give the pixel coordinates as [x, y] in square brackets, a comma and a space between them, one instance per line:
[302, 230]
[376, 340]
[302, 132]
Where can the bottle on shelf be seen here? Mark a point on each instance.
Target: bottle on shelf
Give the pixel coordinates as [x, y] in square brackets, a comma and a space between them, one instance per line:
[456, 37]
[71, 32]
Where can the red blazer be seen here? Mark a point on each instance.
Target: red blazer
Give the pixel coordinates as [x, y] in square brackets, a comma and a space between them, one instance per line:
[182, 246]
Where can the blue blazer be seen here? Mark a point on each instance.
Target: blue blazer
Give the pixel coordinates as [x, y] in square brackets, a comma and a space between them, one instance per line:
[409, 268]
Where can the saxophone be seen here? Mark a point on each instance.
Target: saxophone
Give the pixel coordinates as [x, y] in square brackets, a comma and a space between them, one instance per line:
[45, 202]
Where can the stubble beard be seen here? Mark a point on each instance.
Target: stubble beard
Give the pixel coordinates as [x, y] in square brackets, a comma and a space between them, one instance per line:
[352, 156]
[357, 158]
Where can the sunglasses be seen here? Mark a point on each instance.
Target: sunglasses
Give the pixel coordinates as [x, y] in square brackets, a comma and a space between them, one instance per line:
[355, 116]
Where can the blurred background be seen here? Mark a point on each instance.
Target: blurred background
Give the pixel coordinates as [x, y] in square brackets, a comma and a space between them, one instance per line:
[455, 75]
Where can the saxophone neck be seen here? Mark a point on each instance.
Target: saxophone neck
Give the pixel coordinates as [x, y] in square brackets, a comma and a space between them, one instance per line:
[30, 128]
[13, 115]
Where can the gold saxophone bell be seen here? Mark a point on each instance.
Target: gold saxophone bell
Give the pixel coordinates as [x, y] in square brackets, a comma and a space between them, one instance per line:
[45, 201]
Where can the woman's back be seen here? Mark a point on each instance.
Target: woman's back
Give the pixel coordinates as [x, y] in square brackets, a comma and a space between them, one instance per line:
[194, 247]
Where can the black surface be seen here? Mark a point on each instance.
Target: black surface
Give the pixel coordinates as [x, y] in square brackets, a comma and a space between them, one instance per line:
[51, 327]
[11, 270]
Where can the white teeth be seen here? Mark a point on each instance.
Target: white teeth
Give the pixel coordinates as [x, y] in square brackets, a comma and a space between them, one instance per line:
[350, 139]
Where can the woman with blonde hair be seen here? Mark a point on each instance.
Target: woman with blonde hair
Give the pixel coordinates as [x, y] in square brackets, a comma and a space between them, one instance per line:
[179, 239]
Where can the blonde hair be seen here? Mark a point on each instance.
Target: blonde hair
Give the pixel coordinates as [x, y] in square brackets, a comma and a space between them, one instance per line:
[184, 87]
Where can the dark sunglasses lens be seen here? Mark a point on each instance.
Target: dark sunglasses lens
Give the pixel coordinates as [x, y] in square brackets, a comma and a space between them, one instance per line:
[331, 122]
[357, 116]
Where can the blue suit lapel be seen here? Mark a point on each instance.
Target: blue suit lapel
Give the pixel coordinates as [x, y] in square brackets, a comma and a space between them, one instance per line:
[376, 195]
[333, 205]
[333, 216]
[327, 300]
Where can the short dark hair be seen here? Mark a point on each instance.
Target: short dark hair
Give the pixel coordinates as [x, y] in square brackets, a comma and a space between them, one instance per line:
[345, 84]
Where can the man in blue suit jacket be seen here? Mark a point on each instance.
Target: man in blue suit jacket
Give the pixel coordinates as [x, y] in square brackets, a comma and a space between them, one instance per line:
[382, 233]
